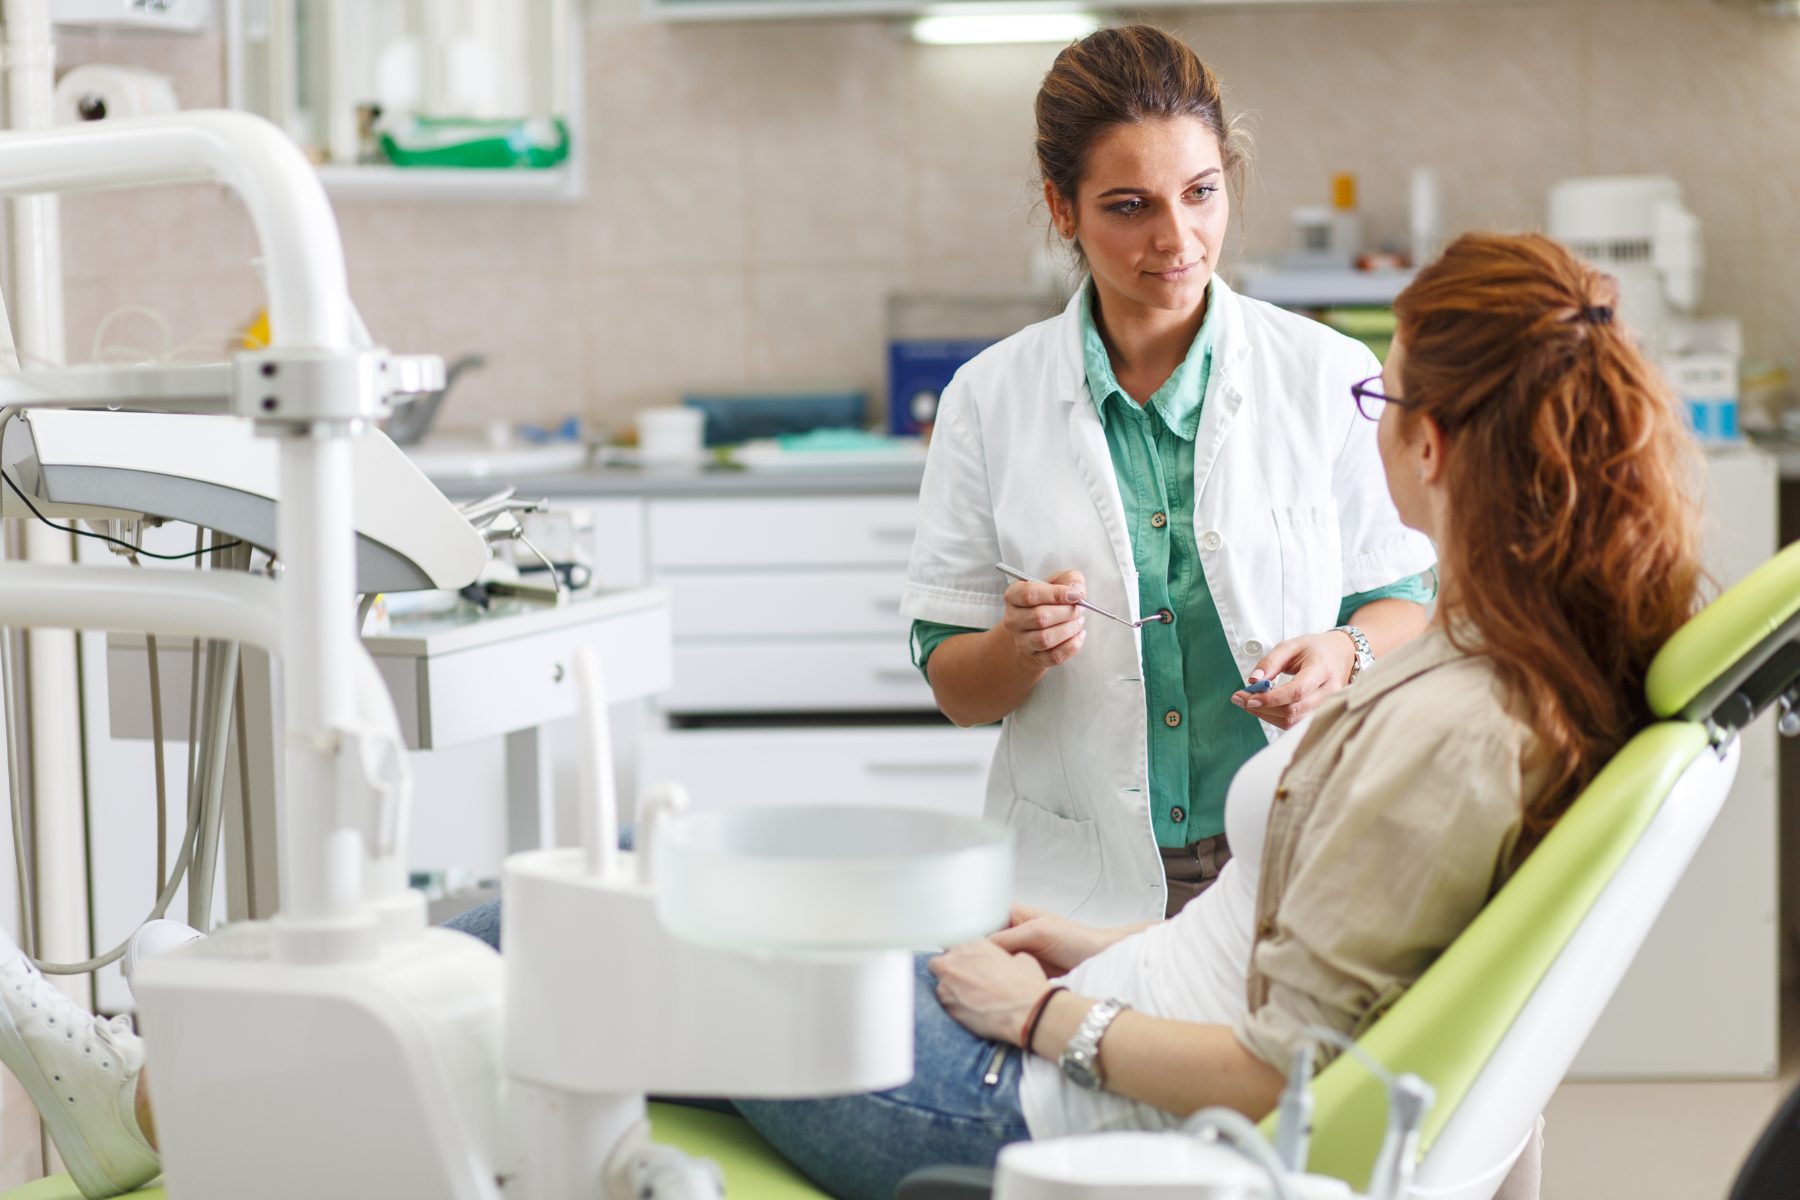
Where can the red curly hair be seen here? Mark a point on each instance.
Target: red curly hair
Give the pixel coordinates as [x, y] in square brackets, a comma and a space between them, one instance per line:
[1572, 488]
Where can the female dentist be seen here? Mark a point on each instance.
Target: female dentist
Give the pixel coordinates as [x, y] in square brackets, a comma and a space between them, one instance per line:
[1163, 446]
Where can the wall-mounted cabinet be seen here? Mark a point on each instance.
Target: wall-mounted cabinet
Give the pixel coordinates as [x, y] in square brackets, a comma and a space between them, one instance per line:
[418, 99]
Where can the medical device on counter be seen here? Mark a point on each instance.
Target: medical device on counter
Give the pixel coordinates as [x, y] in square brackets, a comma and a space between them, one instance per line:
[1636, 229]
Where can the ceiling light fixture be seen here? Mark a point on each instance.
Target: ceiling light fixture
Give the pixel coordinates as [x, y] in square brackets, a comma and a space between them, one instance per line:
[959, 25]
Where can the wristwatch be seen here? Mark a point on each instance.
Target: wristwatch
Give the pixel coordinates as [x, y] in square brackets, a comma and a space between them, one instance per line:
[1365, 658]
[1081, 1057]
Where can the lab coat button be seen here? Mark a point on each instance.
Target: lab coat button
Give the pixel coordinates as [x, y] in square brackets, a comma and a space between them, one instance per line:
[1177, 814]
[1253, 647]
[1158, 520]
[1265, 929]
[1281, 793]
[1211, 541]
[1171, 718]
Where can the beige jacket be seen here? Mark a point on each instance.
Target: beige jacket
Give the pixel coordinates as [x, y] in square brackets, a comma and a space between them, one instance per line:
[1390, 830]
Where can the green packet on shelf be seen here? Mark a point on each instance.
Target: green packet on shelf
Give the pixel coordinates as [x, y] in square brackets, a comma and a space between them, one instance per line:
[468, 142]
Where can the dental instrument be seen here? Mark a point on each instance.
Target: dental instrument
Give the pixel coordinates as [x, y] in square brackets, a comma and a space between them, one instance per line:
[1259, 687]
[1160, 616]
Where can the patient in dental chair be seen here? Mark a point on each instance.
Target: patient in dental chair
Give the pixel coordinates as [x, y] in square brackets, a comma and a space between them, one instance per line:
[1524, 432]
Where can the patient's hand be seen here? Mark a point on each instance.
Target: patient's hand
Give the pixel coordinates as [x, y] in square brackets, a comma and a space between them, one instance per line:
[1320, 664]
[1058, 943]
[987, 990]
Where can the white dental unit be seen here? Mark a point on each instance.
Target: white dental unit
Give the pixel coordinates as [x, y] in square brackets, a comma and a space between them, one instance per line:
[341, 1045]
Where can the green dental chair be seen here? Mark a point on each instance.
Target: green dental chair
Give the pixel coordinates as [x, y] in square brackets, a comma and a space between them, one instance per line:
[1496, 1021]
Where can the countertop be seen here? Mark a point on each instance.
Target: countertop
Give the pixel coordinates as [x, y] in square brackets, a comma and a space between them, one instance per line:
[698, 481]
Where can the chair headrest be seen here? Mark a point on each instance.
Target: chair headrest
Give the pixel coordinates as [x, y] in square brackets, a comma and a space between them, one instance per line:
[1710, 660]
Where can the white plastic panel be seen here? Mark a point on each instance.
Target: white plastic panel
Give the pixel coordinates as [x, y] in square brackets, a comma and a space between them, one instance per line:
[782, 532]
[796, 676]
[787, 604]
[933, 767]
[1702, 999]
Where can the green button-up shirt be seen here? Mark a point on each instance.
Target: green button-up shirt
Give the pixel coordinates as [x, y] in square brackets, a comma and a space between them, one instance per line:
[1197, 738]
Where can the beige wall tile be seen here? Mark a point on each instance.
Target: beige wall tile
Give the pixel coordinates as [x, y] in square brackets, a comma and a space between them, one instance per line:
[756, 189]
[666, 154]
[380, 235]
[974, 189]
[820, 328]
[538, 238]
[85, 303]
[1673, 93]
[826, 177]
[206, 315]
[391, 306]
[529, 326]
[648, 338]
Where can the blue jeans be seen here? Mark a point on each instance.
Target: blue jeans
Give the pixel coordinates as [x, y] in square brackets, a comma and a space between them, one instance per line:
[859, 1147]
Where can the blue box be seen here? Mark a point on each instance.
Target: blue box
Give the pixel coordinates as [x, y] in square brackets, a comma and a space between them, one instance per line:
[918, 373]
[738, 417]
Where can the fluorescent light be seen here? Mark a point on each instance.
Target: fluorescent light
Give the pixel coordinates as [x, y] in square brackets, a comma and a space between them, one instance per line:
[969, 29]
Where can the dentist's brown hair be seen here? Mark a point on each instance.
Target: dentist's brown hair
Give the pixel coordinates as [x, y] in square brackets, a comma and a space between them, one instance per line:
[1124, 76]
[1572, 485]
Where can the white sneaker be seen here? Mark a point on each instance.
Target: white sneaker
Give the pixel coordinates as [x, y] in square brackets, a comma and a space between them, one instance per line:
[82, 1073]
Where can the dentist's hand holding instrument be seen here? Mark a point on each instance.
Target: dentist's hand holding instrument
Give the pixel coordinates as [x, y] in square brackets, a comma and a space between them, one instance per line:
[1160, 616]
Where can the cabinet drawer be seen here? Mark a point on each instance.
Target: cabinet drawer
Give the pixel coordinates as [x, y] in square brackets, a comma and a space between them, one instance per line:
[782, 532]
[795, 676]
[936, 768]
[787, 604]
[447, 699]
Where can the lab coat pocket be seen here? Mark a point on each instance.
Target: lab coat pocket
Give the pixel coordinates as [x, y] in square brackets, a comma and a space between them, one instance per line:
[1057, 859]
[1312, 567]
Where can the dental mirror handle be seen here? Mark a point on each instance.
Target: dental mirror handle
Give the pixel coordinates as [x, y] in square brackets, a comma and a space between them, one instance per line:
[1022, 577]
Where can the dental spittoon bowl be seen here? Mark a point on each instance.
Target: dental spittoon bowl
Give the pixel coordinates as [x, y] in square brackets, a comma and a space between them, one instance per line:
[831, 880]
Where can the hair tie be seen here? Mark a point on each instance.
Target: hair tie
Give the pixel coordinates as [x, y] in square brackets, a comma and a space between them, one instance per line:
[1597, 314]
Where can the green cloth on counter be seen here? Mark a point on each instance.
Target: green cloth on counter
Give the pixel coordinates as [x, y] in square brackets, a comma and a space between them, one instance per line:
[1197, 738]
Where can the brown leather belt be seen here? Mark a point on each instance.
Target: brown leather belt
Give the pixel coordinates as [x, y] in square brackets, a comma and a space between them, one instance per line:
[1191, 869]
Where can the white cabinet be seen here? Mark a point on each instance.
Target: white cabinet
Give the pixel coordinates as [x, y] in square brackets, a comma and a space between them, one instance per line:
[936, 768]
[787, 603]
[811, 531]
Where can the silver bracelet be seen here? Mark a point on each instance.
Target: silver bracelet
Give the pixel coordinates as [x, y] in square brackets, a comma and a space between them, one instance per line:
[1081, 1057]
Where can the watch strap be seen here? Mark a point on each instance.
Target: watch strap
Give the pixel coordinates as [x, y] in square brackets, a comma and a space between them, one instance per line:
[1081, 1057]
[1365, 657]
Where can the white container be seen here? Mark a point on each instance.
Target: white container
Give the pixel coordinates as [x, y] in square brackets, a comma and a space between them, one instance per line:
[1707, 385]
[825, 881]
[673, 434]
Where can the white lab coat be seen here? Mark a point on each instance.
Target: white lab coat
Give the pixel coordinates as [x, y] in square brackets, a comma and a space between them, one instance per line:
[1291, 515]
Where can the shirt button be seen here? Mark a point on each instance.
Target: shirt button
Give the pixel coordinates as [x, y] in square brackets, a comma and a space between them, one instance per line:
[1281, 793]
[1168, 618]
[1265, 929]
[1211, 541]
[1158, 520]
[1253, 647]
[1177, 814]
[1171, 718]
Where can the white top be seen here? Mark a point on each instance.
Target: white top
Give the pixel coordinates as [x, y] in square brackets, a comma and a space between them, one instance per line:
[1291, 514]
[1192, 967]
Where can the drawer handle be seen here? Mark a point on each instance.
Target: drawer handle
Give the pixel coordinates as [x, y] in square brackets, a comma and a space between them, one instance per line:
[923, 768]
[892, 533]
[897, 675]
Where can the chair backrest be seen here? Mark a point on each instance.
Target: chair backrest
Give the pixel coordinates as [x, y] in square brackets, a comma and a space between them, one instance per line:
[1715, 674]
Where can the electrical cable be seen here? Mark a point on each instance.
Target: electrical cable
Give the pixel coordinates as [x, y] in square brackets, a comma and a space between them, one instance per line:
[104, 537]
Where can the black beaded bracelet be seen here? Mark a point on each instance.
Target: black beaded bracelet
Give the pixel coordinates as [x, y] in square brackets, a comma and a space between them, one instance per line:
[1037, 1014]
